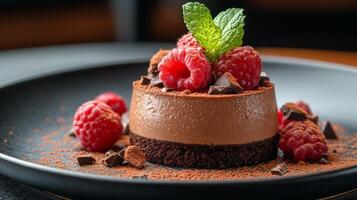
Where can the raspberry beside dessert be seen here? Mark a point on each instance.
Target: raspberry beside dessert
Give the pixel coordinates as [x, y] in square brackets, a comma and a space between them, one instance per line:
[303, 141]
[185, 69]
[97, 126]
[114, 101]
[243, 63]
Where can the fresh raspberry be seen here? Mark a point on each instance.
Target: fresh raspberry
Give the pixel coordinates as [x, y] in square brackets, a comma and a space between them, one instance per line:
[188, 41]
[185, 69]
[303, 105]
[303, 141]
[97, 126]
[113, 100]
[243, 63]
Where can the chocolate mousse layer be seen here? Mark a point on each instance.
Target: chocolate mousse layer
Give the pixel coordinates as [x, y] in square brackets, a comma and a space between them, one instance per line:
[203, 119]
[174, 154]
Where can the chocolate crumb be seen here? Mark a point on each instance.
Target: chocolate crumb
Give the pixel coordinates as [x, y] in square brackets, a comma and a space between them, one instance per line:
[280, 169]
[109, 152]
[334, 151]
[87, 159]
[264, 79]
[328, 130]
[226, 84]
[117, 147]
[144, 80]
[113, 160]
[134, 156]
[156, 82]
[286, 108]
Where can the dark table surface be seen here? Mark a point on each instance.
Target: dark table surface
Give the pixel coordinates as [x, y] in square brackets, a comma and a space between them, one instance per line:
[27, 63]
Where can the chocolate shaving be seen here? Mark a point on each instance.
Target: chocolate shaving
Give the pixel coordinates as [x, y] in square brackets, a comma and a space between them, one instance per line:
[226, 84]
[314, 119]
[156, 82]
[323, 161]
[286, 108]
[113, 160]
[109, 152]
[264, 79]
[135, 157]
[144, 80]
[87, 159]
[328, 131]
[279, 169]
[295, 115]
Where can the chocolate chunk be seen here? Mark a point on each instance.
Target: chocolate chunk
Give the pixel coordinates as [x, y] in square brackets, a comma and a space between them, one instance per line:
[113, 160]
[226, 84]
[264, 79]
[135, 157]
[327, 129]
[109, 152]
[286, 108]
[295, 115]
[144, 80]
[71, 133]
[156, 82]
[280, 169]
[117, 147]
[87, 159]
[155, 60]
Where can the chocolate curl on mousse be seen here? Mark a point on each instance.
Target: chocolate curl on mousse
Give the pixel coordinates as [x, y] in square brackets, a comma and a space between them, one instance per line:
[226, 84]
[293, 112]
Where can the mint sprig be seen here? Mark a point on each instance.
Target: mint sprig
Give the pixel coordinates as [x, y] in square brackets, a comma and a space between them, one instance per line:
[199, 22]
[215, 36]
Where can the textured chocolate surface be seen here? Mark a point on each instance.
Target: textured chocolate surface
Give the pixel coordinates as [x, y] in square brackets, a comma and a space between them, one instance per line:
[206, 156]
[199, 118]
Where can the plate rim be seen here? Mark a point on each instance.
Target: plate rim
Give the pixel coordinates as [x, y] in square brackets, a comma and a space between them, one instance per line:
[97, 177]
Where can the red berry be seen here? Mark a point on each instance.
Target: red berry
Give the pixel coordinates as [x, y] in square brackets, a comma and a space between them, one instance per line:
[113, 100]
[280, 117]
[188, 41]
[303, 141]
[97, 126]
[243, 63]
[185, 69]
[304, 106]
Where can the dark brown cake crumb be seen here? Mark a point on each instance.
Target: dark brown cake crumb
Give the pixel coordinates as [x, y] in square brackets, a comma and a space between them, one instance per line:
[87, 159]
[135, 156]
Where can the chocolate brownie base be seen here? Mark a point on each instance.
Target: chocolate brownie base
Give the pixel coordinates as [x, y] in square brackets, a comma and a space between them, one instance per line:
[206, 156]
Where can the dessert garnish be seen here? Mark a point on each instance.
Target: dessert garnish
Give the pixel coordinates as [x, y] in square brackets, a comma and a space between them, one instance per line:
[134, 156]
[280, 169]
[113, 159]
[97, 126]
[86, 159]
[328, 130]
[114, 101]
[226, 84]
[301, 139]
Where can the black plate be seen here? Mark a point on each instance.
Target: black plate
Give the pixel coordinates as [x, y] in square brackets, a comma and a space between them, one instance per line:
[331, 91]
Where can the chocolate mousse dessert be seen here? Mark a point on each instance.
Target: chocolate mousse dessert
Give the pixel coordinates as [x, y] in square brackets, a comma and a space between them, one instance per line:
[204, 104]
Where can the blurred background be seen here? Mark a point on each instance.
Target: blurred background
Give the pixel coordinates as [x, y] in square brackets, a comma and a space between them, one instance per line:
[316, 24]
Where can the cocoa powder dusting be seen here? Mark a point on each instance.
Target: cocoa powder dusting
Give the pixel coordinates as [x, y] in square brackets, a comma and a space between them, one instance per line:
[64, 150]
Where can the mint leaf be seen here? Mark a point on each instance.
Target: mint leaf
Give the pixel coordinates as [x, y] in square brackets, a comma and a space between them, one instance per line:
[199, 22]
[231, 24]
